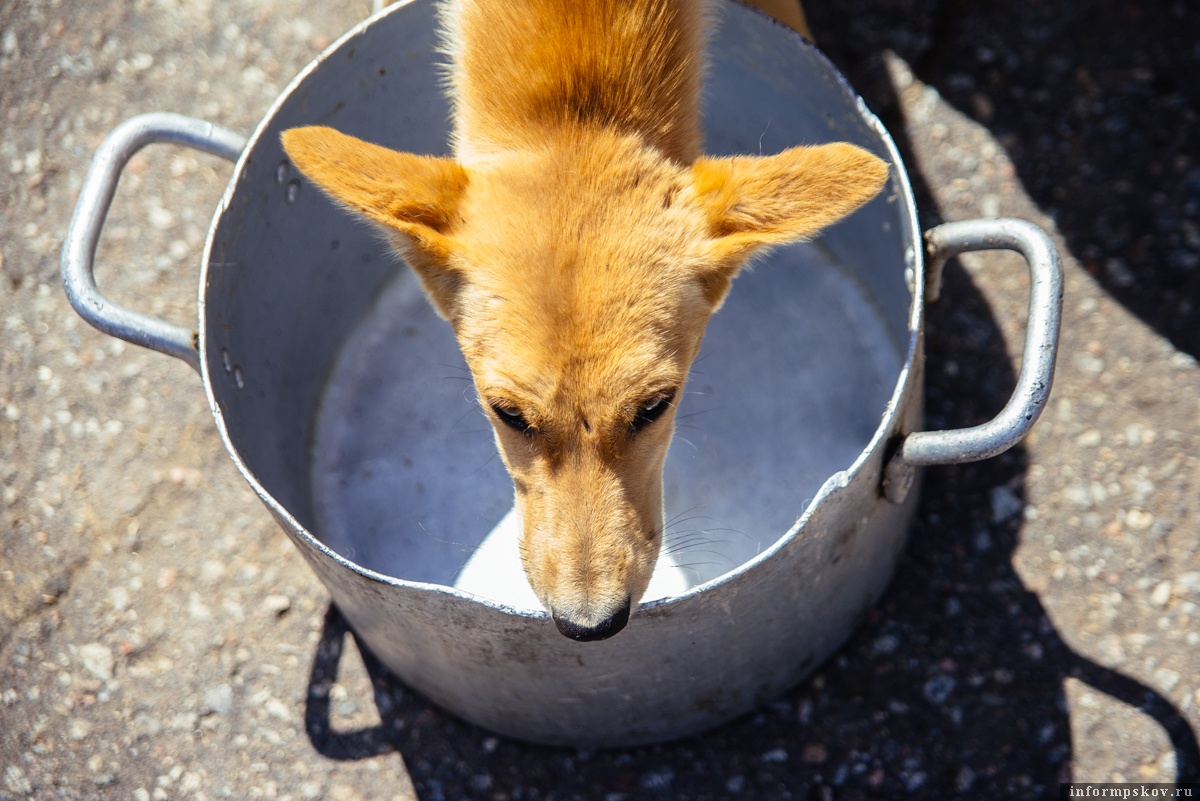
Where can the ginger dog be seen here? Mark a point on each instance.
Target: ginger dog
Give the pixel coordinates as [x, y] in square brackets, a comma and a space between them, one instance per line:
[578, 242]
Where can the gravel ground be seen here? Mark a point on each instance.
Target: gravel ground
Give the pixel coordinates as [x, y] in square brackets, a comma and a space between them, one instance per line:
[160, 638]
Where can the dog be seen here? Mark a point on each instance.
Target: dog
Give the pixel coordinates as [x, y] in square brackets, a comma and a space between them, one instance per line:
[578, 242]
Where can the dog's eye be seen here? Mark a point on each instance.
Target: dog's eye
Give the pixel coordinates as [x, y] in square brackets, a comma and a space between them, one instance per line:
[512, 418]
[651, 410]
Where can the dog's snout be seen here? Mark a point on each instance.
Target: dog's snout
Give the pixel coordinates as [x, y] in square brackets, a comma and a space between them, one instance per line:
[599, 631]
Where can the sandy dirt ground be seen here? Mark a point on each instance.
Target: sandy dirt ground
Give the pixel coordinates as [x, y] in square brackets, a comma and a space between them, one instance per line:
[161, 638]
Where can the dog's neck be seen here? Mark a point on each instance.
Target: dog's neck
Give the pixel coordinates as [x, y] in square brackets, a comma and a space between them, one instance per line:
[523, 68]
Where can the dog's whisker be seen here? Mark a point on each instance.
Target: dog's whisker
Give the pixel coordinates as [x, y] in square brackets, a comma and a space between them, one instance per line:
[461, 546]
[697, 413]
[462, 368]
[687, 442]
[694, 567]
[717, 555]
[679, 517]
[672, 528]
[684, 540]
[678, 531]
[466, 432]
[693, 548]
[461, 417]
[485, 463]
[699, 538]
[687, 511]
[676, 541]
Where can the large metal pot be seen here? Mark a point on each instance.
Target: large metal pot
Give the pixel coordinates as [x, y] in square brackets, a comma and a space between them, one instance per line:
[343, 401]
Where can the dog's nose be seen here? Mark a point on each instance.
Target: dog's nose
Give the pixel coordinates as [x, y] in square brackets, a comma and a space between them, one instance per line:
[602, 630]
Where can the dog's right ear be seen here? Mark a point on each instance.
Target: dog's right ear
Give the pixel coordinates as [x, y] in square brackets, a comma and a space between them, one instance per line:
[755, 202]
[416, 197]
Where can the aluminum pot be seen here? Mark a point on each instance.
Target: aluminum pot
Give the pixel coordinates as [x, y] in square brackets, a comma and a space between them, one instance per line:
[343, 401]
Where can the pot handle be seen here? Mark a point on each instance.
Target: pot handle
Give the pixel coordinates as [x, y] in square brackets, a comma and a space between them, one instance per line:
[1037, 366]
[95, 198]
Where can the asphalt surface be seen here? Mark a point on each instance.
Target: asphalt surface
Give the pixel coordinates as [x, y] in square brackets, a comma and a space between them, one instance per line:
[161, 638]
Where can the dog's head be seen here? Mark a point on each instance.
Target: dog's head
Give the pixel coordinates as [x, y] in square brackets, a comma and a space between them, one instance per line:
[579, 277]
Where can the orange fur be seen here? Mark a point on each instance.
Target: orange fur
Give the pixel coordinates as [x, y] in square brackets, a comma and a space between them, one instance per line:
[578, 243]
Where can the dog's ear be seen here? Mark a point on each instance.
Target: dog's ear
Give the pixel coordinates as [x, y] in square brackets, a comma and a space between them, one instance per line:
[752, 202]
[414, 196]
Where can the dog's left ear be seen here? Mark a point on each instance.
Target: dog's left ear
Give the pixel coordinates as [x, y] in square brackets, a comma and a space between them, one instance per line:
[753, 202]
[414, 196]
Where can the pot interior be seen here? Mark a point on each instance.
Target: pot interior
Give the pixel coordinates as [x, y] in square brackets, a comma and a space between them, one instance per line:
[346, 396]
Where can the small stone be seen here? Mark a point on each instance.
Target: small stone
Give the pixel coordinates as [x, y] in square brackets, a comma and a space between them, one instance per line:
[1079, 496]
[278, 709]
[79, 729]
[16, 781]
[1005, 504]
[659, 779]
[54, 587]
[1166, 679]
[915, 780]
[1161, 595]
[775, 755]
[167, 578]
[1088, 439]
[97, 659]
[938, 689]
[735, 784]
[1110, 650]
[815, 754]
[965, 779]
[277, 604]
[886, 644]
[253, 76]
[196, 608]
[1119, 273]
[10, 48]
[1090, 364]
[184, 721]
[1188, 582]
[1139, 520]
[160, 218]
[982, 541]
[188, 477]
[219, 700]
[212, 571]
[1133, 435]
